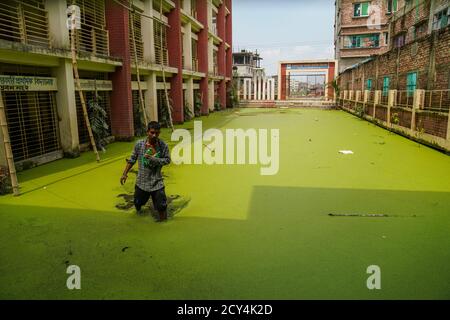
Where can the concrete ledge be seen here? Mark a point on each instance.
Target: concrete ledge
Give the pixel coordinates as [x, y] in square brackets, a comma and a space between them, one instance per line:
[434, 142]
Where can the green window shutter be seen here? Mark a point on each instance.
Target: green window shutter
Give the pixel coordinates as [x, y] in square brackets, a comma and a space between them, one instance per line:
[369, 84]
[386, 83]
[411, 82]
[365, 9]
[357, 11]
[394, 5]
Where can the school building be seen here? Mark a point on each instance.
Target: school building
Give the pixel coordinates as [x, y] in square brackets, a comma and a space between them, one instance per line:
[187, 41]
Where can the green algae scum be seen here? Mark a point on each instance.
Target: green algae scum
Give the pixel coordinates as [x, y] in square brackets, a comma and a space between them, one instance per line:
[308, 232]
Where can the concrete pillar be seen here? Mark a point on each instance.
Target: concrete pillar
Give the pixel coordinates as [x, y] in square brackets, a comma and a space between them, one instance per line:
[350, 95]
[255, 88]
[150, 98]
[211, 96]
[175, 53]
[358, 96]
[392, 101]
[147, 30]
[122, 123]
[190, 94]
[57, 23]
[366, 96]
[376, 101]
[418, 103]
[419, 99]
[345, 94]
[272, 89]
[67, 109]
[246, 91]
[264, 89]
[187, 46]
[259, 88]
[203, 54]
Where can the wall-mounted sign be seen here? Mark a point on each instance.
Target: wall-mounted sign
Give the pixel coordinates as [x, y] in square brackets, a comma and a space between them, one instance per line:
[305, 66]
[93, 85]
[25, 83]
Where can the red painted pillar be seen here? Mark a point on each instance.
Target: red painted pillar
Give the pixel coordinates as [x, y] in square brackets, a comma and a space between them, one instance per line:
[221, 55]
[330, 79]
[175, 54]
[229, 52]
[121, 102]
[202, 15]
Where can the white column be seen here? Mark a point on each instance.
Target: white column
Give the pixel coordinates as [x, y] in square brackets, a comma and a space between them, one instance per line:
[147, 32]
[255, 89]
[150, 98]
[259, 88]
[272, 89]
[245, 90]
[264, 83]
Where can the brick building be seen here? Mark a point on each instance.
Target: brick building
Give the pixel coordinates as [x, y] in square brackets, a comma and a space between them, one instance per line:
[408, 87]
[361, 29]
[37, 82]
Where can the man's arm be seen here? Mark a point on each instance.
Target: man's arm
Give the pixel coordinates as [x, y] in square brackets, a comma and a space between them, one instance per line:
[164, 157]
[130, 164]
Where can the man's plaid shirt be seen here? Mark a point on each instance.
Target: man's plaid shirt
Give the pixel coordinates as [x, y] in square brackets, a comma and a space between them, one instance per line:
[149, 178]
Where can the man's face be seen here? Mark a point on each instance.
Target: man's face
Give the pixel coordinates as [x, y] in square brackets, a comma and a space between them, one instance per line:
[153, 134]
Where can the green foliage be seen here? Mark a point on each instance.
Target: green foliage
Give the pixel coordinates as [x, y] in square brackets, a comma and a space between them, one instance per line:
[359, 110]
[217, 106]
[187, 112]
[234, 96]
[138, 118]
[5, 183]
[395, 118]
[334, 84]
[198, 105]
[98, 118]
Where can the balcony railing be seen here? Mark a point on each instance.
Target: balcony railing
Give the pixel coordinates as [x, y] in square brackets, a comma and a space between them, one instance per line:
[194, 64]
[24, 21]
[92, 40]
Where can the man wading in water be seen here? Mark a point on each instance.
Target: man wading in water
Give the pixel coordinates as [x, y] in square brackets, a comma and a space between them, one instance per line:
[152, 154]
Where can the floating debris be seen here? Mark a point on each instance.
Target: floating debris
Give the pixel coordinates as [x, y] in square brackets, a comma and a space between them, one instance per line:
[358, 215]
[346, 151]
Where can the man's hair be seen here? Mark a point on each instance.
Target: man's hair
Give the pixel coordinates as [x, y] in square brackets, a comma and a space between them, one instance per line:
[154, 125]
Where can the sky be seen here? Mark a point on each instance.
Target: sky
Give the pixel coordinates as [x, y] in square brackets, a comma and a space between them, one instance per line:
[284, 29]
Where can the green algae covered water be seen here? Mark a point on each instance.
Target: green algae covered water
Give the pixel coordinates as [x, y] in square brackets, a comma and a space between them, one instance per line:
[234, 233]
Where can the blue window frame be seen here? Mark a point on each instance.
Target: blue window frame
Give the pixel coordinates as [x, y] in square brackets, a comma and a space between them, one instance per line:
[411, 83]
[386, 84]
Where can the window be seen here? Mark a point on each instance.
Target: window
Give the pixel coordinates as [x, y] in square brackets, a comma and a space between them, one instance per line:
[411, 83]
[400, 40]
[369, 84]
[441, 19]
[362, 41]
[386, 38]
[361, 9]
[386, 83]
[392, 6]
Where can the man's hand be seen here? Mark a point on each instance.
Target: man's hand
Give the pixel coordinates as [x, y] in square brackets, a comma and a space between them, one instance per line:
[123, 179]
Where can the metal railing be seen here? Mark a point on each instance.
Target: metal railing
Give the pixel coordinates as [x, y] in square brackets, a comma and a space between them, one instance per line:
[24, 21]
[194, 64]
[437, 100]
[405, 98]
